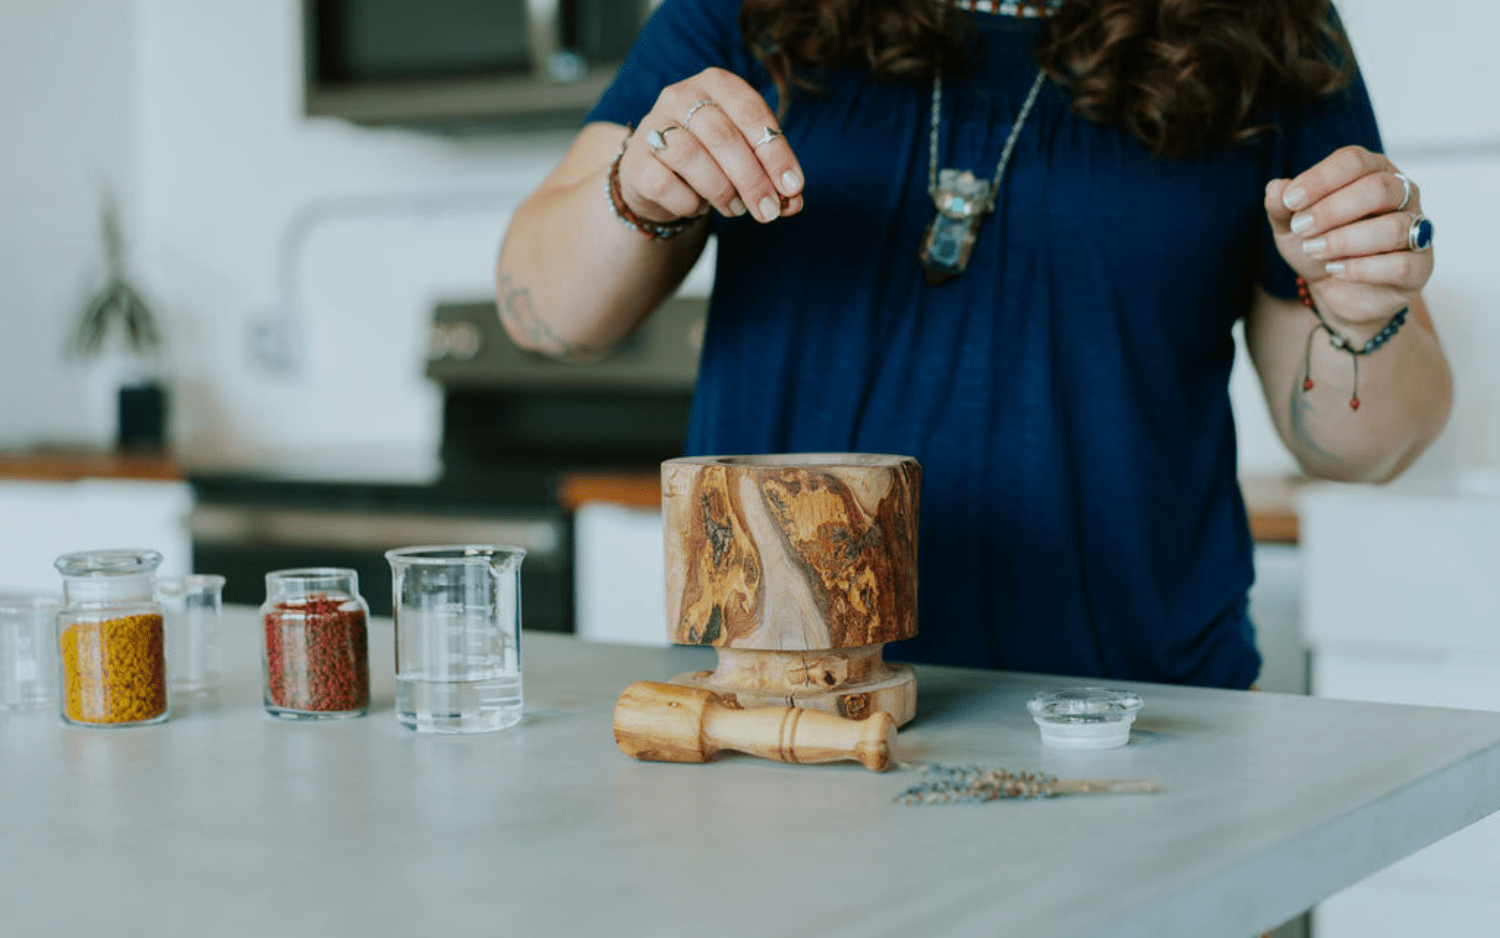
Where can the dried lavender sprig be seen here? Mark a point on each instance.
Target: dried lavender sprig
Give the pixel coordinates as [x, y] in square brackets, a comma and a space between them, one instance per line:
[969, 784]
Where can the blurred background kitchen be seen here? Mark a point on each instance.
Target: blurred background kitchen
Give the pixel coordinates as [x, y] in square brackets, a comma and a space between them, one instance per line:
[307, 198]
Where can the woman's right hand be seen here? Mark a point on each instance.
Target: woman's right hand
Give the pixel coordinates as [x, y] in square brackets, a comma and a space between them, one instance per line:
[710, 141]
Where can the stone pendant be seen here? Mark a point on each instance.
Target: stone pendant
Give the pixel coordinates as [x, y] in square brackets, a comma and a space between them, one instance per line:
[961, 201]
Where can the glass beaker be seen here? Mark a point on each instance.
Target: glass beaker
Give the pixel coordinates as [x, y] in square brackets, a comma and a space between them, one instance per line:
[28, 650]
[110, 639]
[193, 606]
[316, 653]
[458, 637]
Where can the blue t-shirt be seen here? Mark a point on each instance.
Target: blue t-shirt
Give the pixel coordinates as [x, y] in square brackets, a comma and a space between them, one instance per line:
[1067, 396]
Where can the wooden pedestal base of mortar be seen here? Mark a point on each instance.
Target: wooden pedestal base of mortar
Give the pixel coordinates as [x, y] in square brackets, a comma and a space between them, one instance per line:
[799, 568]
[851, 682]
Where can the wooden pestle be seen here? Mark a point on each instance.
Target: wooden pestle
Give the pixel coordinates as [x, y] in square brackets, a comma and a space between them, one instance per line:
[672, 723]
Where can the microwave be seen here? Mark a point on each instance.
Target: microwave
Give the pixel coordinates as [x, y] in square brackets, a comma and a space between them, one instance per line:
[463, 62]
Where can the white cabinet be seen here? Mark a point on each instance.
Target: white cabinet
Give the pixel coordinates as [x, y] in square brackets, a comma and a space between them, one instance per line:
[620, 574]
[1402, 605]
[1401, 597]
[41, 520]
[1452, 888]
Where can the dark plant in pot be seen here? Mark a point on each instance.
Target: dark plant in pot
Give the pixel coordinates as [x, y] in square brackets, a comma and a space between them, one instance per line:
[141, 410]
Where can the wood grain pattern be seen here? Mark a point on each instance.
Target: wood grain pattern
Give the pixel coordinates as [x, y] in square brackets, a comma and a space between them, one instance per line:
[791, 552]
[851, 683]
[659, 722]
[73, 465]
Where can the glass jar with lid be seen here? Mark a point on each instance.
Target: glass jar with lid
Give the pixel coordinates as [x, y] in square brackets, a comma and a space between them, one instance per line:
[111, 641]
[315, 657]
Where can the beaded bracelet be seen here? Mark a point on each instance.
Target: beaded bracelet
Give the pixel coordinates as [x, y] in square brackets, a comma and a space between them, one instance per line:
[1339, 341]
[656, 231]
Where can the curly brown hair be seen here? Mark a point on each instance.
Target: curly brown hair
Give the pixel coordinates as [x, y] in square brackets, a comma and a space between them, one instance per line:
[1181, 75]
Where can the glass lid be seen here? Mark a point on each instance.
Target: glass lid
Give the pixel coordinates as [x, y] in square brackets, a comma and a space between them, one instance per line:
[1084, 705]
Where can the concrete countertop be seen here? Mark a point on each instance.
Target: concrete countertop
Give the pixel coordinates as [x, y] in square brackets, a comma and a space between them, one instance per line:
[225, 821]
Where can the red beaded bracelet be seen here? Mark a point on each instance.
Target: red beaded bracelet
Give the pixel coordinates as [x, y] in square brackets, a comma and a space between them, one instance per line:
[656, 231]
[1339, 341]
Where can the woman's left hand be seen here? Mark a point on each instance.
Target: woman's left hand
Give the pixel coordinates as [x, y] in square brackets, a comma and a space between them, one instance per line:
[1348, 225]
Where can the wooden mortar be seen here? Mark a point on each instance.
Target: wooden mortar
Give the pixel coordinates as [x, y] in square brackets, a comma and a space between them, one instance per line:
[798, 568]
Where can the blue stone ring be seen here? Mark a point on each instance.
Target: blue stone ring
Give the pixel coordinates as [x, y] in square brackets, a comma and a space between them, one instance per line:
[1419, 235]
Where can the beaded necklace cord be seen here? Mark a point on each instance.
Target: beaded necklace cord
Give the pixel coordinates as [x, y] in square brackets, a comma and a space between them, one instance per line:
[961, 201]
[1339, 341]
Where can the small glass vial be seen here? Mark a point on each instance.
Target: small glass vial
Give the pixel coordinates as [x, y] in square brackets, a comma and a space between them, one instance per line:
[111, 640]
[316, 650]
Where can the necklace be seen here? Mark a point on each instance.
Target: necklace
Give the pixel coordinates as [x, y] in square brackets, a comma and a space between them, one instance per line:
[961, 198]
[1026, 9]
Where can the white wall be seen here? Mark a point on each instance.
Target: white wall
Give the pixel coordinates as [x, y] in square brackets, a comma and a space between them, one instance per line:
[1435, 82]
[67, 137]
[255, 215]
[243, 214]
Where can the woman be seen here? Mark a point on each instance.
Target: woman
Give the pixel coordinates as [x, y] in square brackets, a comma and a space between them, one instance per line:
[1059, 363]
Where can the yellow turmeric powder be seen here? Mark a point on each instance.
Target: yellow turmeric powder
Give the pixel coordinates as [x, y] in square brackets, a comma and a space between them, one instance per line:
[114, 671]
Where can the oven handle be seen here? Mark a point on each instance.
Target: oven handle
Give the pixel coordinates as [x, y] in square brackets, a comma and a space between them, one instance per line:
[281, 527]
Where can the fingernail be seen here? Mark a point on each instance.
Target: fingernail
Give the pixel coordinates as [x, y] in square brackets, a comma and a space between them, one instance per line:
[1301, 223]
[790, 182]
[770, 209]
[736, 208]
[1314, 247]
[1294, 197]
[1334, 267]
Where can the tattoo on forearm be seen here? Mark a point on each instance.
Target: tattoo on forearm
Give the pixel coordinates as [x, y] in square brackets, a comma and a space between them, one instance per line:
[518, 312]
[1300, 408]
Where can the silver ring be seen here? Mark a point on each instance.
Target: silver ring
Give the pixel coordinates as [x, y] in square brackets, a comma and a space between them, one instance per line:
[1419, 235]
[770, 133]
[657, 139]
[1405, 191]
[706, 102]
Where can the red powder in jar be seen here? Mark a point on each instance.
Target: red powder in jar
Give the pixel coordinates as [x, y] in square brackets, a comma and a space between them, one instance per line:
[317, 656]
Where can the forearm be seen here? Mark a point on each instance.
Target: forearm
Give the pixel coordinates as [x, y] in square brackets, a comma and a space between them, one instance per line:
[1405, 391]
[572, 279]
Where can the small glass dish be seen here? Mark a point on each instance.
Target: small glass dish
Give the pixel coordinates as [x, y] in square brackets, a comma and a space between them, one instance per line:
[1085, 717]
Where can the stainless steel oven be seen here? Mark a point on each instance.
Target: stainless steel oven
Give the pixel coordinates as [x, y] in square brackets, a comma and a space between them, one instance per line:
[246, 523]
